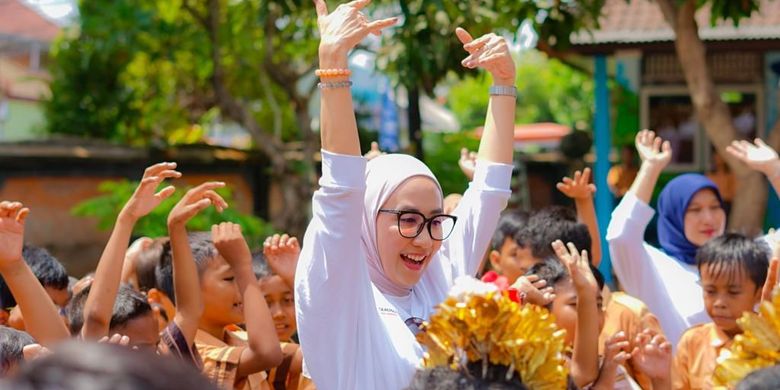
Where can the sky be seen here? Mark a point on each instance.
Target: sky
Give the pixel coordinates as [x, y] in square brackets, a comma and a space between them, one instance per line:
[58, 10]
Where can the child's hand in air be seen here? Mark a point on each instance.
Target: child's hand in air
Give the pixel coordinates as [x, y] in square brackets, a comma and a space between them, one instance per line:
[145, 199]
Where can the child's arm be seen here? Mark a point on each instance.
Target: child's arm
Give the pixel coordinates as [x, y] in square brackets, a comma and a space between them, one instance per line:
[282, 253]
[186, 284]
[129, 274]
[263, 350]
[614, 355]
[760, 157]
[581, 191]
[653, 356]
[100, 302]
[585, 362]
[41, 319]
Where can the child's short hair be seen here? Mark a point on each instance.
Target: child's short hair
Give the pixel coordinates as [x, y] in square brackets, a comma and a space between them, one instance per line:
[445, 378]
[46, 268]
[552, 271]
[260, 266]
[510, 223]
[763, 379]
[203, 251]
[129, 305]
[556, 223]
[734, 253]
[101, 366]
[12, 343]
[147, 261]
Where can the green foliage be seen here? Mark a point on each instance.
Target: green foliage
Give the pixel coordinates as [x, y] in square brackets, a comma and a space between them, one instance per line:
[730, 9]
[442, 155]
[106, 208]
[547, 91]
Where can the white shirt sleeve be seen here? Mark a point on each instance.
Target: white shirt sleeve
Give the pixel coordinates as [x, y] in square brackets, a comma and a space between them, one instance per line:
[333, 291]
[670, 289]
[478, 214]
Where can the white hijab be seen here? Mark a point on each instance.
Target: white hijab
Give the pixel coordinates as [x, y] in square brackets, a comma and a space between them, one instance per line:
[383, 176]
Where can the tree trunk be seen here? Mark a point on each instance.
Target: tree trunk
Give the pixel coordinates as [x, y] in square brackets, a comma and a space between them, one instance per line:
[415, 122]
[747, 213]
[295, 185]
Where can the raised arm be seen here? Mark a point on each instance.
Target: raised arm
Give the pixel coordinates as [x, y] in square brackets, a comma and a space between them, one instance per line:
[41, 319]
[282, 252]
[581, 190]
[186, 285]
[584, 362]
[340, 31]
[656, 155]
[100, 302]
[264, 351]
[760, 157]
[491, 52]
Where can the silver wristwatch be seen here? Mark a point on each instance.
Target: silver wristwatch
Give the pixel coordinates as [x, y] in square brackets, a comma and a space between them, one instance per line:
[503, 90]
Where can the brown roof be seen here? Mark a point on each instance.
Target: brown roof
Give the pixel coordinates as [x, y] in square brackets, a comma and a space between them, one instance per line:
[641, 21]
[19, 20]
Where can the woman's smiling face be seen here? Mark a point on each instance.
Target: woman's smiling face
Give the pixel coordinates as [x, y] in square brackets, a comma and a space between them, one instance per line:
[405, 259]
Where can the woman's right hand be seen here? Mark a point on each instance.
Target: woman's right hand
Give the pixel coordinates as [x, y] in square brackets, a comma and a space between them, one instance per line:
[653, 150]
[343, 29]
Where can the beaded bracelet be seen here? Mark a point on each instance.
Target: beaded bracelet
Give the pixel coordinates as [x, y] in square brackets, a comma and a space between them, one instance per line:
[328, 73]
[339, 84]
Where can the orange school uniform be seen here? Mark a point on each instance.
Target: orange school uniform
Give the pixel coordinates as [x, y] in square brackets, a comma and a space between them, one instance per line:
[630, 315]
[696, 357]
[221, 357]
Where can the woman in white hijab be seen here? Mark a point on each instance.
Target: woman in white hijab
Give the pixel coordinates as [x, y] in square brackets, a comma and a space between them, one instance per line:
[379, 253]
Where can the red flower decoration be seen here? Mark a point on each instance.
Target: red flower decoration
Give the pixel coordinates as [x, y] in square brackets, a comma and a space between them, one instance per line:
[503, 285]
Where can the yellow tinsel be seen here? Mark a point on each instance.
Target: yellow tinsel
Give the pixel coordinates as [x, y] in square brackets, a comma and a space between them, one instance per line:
[493, 327]
[757, 347]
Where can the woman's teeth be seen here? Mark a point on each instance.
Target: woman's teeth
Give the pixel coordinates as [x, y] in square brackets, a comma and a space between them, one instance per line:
[414, 258]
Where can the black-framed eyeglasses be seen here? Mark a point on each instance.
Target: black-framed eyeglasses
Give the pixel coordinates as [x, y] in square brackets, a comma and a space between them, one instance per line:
[411, 224]
[415, 325]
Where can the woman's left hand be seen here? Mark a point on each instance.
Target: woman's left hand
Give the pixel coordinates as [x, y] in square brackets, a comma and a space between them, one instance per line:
[490, 52]
[758, 156]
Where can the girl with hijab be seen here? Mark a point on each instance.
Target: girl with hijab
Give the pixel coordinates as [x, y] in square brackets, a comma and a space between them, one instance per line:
[379, 253]
[690, 213]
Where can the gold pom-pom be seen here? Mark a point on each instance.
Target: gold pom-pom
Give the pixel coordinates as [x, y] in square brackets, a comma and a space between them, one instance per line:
[757, 347]
[491, 328]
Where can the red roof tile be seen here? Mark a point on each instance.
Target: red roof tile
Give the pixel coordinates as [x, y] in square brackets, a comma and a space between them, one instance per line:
[642, 21]
[19, 20]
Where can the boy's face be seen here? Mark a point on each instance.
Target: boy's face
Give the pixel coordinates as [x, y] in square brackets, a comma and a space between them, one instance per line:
[142, 331]
[511, 260]
[222, 302]
[281, 303]
[727, 295]
[564, 308]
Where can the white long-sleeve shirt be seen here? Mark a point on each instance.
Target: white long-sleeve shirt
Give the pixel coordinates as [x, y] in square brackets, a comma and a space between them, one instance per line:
[670, 289]
[352, 335]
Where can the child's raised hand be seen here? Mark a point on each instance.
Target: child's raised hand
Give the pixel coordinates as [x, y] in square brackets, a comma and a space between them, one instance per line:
[653, 150]
[534, 290]
[281, 252]
[117, 339]
[12, 217]
[758, 156]
[194, 201]
[652, 354]
[468, 163]
[771, 275]
[579, 187]
[231, 244]
[145, 199]
[578, 265]
[616, 349]
[35, 351]
[374, 152]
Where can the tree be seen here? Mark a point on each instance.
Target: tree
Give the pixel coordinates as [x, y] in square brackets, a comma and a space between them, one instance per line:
[749, 203]
[141, 72]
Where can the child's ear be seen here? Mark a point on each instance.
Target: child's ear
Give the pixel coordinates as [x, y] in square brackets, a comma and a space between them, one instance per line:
[495, 260]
